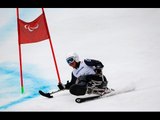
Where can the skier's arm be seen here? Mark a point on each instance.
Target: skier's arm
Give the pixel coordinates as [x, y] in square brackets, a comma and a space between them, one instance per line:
[73, 80]
[94, 63]
[68, 84]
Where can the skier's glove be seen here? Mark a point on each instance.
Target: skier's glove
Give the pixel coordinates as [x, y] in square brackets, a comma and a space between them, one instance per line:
[67, 85]
[98, 69]
[61, 86]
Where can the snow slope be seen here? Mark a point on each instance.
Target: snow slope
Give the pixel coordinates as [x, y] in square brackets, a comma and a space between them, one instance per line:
[126, 40]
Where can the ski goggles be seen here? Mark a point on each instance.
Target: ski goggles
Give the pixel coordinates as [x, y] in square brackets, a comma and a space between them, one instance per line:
[70, 60]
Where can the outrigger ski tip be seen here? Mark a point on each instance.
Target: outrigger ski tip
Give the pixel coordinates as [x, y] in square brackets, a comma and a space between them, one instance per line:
[48, 95]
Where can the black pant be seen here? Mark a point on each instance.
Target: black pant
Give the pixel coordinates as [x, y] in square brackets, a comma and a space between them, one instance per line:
[81, 84]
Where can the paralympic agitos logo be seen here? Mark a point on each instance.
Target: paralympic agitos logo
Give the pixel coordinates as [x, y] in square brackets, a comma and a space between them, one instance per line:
[31, 28]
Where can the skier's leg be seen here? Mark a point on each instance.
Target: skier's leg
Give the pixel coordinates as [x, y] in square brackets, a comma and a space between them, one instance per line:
[80, 87]
[88, 84]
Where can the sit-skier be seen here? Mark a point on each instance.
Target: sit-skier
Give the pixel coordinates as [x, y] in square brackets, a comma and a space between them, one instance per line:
[87, 77]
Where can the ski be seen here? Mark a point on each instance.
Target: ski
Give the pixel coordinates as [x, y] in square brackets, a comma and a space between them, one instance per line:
[80, 100]
[84, 99]
[48, 95]
[112, 93]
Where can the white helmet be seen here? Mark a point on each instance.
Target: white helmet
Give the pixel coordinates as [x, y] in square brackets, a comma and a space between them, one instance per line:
[71, 57]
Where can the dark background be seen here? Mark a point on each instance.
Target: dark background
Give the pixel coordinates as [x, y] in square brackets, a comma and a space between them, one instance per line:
[79, 4]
